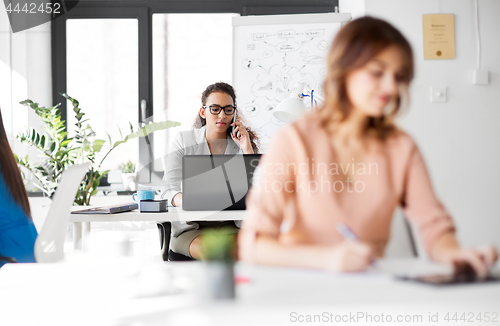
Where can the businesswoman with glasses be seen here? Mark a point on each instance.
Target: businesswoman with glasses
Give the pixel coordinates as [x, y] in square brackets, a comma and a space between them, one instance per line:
[217, 130]
[336, 215]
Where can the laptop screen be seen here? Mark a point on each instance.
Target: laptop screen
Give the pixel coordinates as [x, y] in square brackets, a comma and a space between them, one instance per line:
[217, 182]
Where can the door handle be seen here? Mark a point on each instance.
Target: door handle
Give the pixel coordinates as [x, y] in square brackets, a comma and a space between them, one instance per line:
[144, 106]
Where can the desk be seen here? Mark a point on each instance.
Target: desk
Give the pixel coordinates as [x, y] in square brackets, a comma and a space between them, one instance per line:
[106, 294]
[82, 221]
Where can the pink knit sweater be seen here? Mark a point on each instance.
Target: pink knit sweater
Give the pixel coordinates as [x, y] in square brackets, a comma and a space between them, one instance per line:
[303, 192]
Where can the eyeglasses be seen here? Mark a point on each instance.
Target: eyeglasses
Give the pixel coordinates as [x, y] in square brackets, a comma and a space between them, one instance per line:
[215, 109]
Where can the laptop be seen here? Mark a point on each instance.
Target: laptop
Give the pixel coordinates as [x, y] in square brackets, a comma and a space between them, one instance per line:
[217, 182]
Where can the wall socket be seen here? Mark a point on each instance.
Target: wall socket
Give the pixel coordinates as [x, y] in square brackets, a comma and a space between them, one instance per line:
[438, 94]
[480, 77]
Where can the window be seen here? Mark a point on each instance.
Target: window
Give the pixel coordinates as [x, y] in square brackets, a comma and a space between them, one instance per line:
[190, 52]
[102, 74]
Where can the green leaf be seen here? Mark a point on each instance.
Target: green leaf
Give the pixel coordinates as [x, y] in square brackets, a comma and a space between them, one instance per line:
[26, 102]
[72, 100]
[97, 146]
[42, 141]
[109, 138]
[53, 147]
[120, 131]
[148, 129]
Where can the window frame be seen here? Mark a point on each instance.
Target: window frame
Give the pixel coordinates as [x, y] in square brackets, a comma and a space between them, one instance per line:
[143, 11]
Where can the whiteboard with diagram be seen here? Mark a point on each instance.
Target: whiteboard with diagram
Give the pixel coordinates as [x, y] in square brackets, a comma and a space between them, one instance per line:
[271, 55]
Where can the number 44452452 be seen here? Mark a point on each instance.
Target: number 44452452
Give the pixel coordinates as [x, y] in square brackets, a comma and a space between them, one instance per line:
[34, 8]
[471, 317]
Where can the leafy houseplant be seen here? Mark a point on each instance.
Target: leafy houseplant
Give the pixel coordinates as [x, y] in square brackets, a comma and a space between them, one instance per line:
[53, 145]
[128, 167]
[60, 151]
[218, 251]
[128, 176]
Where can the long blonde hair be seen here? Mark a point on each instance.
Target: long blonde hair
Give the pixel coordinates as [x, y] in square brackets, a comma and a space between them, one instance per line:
[356, 44]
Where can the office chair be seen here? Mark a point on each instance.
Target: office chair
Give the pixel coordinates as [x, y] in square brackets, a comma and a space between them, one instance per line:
[165, 229]
[49, 245]
[402, 242]
[8, 259]
[173, 256]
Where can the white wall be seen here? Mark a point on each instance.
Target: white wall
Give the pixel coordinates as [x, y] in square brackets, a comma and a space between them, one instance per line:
[25, 72]
[460, 139]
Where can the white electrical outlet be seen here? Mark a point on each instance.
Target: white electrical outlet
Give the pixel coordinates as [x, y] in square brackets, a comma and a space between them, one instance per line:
[438, 94]
[480, 77]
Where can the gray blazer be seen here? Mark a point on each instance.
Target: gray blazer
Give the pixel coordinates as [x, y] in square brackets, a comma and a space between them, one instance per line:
[189, 142]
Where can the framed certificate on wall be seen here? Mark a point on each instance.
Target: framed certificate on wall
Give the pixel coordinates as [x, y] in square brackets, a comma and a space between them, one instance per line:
[439, 36]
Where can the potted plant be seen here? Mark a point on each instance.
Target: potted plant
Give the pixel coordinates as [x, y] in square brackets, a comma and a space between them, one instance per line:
[128, 176]
[60, 150]
[218, 252]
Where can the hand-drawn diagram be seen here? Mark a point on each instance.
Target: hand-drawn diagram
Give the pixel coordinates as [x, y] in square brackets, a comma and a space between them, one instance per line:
[270, 60]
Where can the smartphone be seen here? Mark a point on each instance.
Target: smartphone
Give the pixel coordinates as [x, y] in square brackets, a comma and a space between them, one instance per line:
[233, 127]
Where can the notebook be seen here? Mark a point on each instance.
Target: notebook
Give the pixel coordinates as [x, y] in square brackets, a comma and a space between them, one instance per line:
[111, 209]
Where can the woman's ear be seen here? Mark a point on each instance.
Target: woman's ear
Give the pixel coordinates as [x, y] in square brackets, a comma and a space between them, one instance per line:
[202, 113]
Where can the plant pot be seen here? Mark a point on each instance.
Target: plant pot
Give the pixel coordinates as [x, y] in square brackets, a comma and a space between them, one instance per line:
[129, 181]
[220, 279]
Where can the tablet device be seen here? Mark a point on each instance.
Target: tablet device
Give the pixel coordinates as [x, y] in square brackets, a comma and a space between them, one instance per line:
[443, 279]
[463, 273]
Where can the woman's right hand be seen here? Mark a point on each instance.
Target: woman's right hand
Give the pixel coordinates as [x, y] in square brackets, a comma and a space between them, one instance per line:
[350, 256]
[177, 200]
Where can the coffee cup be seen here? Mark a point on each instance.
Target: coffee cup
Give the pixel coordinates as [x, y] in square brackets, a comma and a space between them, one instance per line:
[143, 195]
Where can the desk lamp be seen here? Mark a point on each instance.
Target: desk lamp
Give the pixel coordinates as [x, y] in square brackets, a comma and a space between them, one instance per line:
[293, 108]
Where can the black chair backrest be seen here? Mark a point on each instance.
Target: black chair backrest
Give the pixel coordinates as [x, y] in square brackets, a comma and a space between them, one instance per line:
[8, 259]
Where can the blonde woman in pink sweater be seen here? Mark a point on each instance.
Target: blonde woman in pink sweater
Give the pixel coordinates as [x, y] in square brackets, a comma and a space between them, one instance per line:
[348, 164]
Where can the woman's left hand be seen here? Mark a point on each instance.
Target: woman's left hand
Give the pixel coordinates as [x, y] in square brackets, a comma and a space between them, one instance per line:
[447, 250]
[241, 137]
[481, 259]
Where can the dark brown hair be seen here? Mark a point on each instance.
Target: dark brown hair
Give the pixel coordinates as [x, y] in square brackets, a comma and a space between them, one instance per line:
[355, 45]
[11, 173]
[228, 89]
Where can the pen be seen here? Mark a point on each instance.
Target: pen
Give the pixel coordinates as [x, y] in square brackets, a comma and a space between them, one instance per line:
[346, 232]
